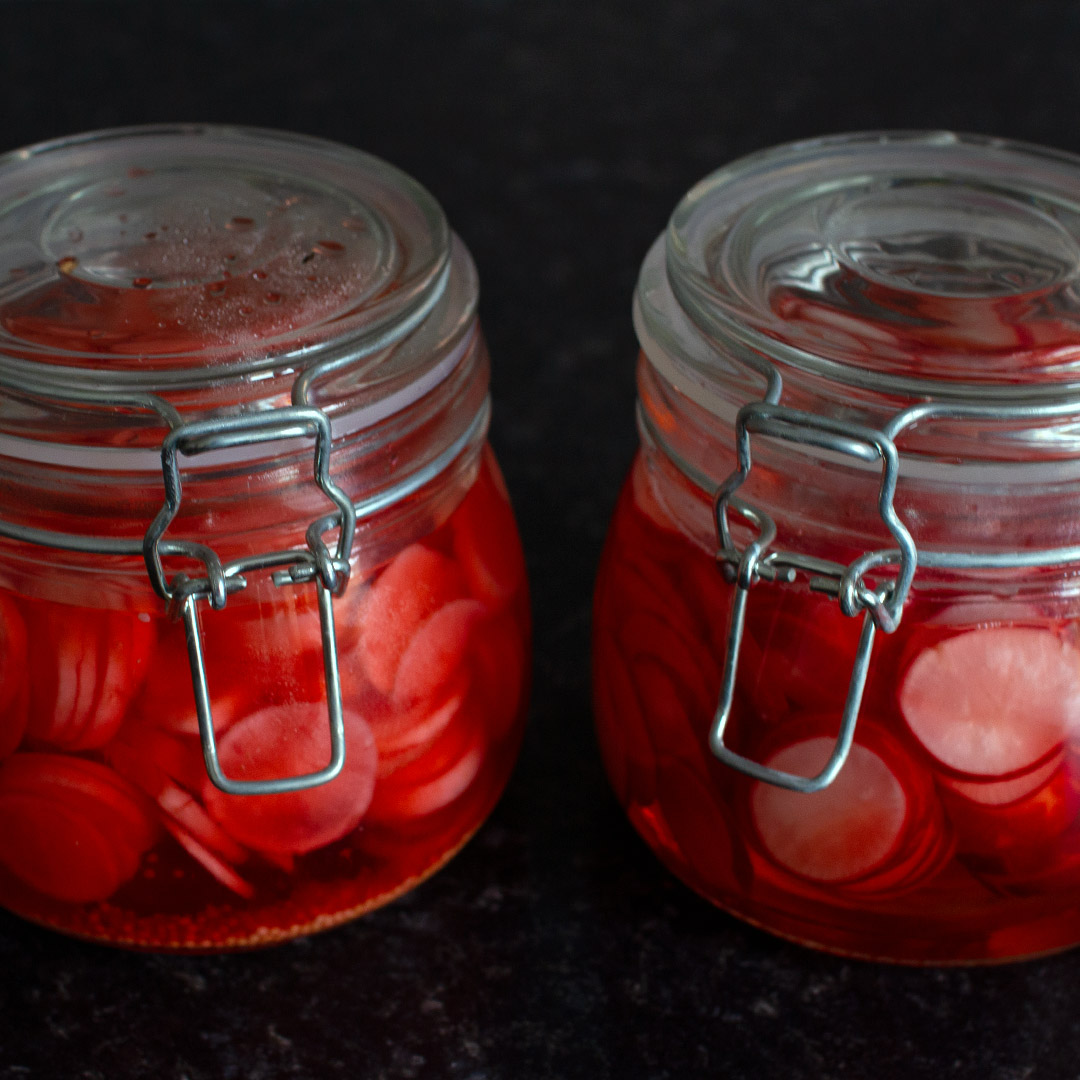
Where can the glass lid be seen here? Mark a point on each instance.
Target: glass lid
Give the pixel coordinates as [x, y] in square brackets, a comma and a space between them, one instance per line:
[161, 257]
[895, 261]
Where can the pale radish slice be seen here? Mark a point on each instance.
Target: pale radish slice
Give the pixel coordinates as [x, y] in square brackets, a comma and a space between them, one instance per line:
[486, 543]
[1003, 792]
[843, 832]
[210, 862]
[403, 734]
[182, 808]
[14, 687]
[416, 583]
[994, 702]
[280, 742]
[437, 651]
[436, 779]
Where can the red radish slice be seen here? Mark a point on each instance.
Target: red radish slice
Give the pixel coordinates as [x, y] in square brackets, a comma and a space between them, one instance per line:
[182, 808]
[85, 668]
[71, 828]
[279, 742]
[210, 862]
[14, 687]
[995, 702]
[437, 651]
[416, 583]
[1003, 792]
[840, 833]
[486, 542]
[497, 660]
[698, 823]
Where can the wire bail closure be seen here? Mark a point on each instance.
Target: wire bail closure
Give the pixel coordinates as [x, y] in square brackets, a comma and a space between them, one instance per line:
[882, 607]
[314, 563]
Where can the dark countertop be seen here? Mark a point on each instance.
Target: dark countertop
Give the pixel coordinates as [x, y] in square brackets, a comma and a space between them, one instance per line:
[558, 136]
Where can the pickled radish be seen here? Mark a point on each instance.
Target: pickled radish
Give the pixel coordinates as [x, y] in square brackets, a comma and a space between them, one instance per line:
[437, 650]
[84, 669]
[415, 584]
[278, 742]
[402, 734]
[993, 702]
[14, 687]
[216, 867]
[435, 779]
[843, 832]
[70, 828]
[485, 542]
[1004, 792]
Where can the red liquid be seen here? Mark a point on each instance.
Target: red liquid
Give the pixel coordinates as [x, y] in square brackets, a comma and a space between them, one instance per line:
[953, 831]
[109, 826]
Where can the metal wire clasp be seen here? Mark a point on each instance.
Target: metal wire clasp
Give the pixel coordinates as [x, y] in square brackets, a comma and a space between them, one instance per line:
[882, 607]
[329, 572]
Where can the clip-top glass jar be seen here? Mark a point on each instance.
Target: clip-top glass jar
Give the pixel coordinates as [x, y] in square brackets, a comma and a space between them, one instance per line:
[242, 371]
[837, 622]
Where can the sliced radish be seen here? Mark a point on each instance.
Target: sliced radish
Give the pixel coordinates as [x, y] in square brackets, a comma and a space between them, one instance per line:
[497, 660]
[279, 742]
[620, 723]
[700, 826]
[486, 543]
[14, 686]
[416, 583]
[437, 651]
[210, 862]
[1003, 792]
[994, 702]
[70, 828]
[434, 780]
[402, 734]
[85, 668]
[843, 832]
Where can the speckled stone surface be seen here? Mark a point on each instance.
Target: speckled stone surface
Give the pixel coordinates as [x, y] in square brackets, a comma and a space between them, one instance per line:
[558, 136]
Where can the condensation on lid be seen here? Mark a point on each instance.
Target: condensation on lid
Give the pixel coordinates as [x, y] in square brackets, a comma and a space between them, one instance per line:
[150, 255]
[891, 260]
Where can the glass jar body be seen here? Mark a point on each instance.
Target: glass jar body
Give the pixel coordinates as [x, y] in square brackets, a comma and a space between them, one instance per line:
[109, 825]
[952, 832]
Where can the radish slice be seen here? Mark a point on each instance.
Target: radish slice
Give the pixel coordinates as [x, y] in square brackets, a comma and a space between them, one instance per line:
[183, 810]
[403, 734]
[416, 583]
[71, 828]
[995, 702]
[1003, 792]
[436, 779]
[498, 663]
[85, 668]
[278, 742]
[840, 833]
[14, 687]
[486, 542]
[210, 862]
[697, 822]
[437, 651]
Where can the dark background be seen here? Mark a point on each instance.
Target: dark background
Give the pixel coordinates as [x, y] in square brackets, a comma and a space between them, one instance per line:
[558, 136]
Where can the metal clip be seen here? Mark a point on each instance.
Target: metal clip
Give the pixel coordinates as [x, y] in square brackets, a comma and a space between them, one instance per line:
[187, 595]
[329, 571]
[882, 607]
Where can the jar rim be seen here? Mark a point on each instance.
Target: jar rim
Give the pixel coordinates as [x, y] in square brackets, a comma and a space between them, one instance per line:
[864, 259]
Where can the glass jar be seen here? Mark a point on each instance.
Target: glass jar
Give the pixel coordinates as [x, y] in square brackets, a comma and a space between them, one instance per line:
[264, 629]
[837, 620]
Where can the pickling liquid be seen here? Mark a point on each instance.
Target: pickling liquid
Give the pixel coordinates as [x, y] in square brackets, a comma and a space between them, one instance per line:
[109, 826]
[952, 833]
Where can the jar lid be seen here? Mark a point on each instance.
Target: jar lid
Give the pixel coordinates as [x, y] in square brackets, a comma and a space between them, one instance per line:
[894, 261]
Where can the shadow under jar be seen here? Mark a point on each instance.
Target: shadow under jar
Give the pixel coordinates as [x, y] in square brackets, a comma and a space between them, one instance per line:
[264, 629]
[837, 620]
